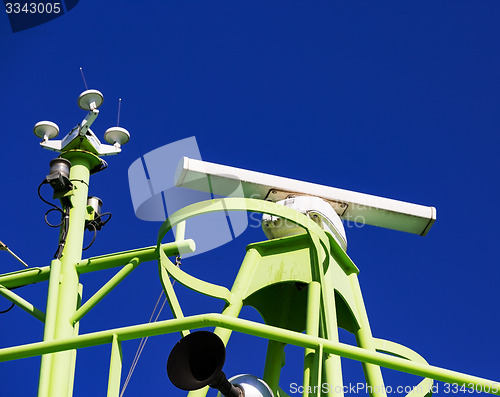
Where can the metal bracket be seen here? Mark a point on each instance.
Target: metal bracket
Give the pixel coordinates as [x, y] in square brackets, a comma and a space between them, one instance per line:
[277, 195]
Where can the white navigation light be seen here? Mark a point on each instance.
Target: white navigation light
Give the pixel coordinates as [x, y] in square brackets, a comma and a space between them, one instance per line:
[351, 206]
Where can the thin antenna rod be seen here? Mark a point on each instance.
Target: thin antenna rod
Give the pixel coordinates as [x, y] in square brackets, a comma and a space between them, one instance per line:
[119, 108]
[3, 247]
[83, 77]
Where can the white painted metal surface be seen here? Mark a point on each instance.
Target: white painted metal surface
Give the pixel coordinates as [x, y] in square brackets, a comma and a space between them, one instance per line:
[350, 206]
[315, 208]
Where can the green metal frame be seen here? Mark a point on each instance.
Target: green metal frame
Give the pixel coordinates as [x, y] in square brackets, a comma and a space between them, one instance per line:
[307, 273]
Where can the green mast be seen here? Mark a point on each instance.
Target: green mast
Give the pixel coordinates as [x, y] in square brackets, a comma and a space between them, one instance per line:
[301, 280]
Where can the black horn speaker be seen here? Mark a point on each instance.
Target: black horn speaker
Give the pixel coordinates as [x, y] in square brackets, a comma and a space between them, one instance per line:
[197, 360]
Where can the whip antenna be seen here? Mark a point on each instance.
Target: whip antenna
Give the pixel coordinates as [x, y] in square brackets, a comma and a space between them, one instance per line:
[83, 77]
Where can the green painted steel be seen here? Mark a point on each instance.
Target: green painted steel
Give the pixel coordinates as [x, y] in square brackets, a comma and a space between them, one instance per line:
[146, 254]
[22, 303]
[251, 328]
[104, 290]
[50, 324]
[325, 264]
[304, 286]
[365, 339]
[142, 254]
[312, 357]
[61, 364]
[115, 367]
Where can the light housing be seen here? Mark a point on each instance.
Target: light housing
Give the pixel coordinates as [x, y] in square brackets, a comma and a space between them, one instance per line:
[58, 176]
[96, 204]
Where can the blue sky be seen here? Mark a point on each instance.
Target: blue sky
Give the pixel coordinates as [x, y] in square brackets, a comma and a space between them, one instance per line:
[397, 99]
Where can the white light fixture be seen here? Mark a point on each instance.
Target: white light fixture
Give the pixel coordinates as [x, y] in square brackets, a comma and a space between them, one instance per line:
[58, 176]
[60, 166]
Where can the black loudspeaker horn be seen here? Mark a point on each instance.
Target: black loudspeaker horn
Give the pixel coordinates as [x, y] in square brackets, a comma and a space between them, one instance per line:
[197, 360]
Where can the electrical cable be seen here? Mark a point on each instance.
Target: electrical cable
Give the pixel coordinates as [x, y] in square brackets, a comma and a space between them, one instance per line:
[95, 225]
[44, 182]
[79, 180]
[47, 221]
[141, 345]
[93, 238]
[64, 234]
[101, 222]
[64, 220]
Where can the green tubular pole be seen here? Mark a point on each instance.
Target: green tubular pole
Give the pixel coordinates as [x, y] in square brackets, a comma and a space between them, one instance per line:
[251, 328]
[104, 290]
[274, 363]
[24, 277]
[275, 350]
[22, 303]
[73, 355]
[180, 231]
[319, 363]
[173, 302]
[142, 254]
[364, 338]
[67, 300]
[48, 333]
[115, 368]
[312, 374]
[239, 290]
[332, 365]
[146, 254]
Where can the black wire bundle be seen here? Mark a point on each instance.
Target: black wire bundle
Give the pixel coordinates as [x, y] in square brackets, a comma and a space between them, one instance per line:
[64, 220]
[95, 225]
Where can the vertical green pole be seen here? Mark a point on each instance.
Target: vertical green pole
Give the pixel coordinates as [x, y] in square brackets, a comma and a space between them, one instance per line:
[275, 358]
[311, 370]
[61, 372]
[332, 365]
[239, 290]
[115, 368]
[364, 338]
[48, 334]
[73, 357]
